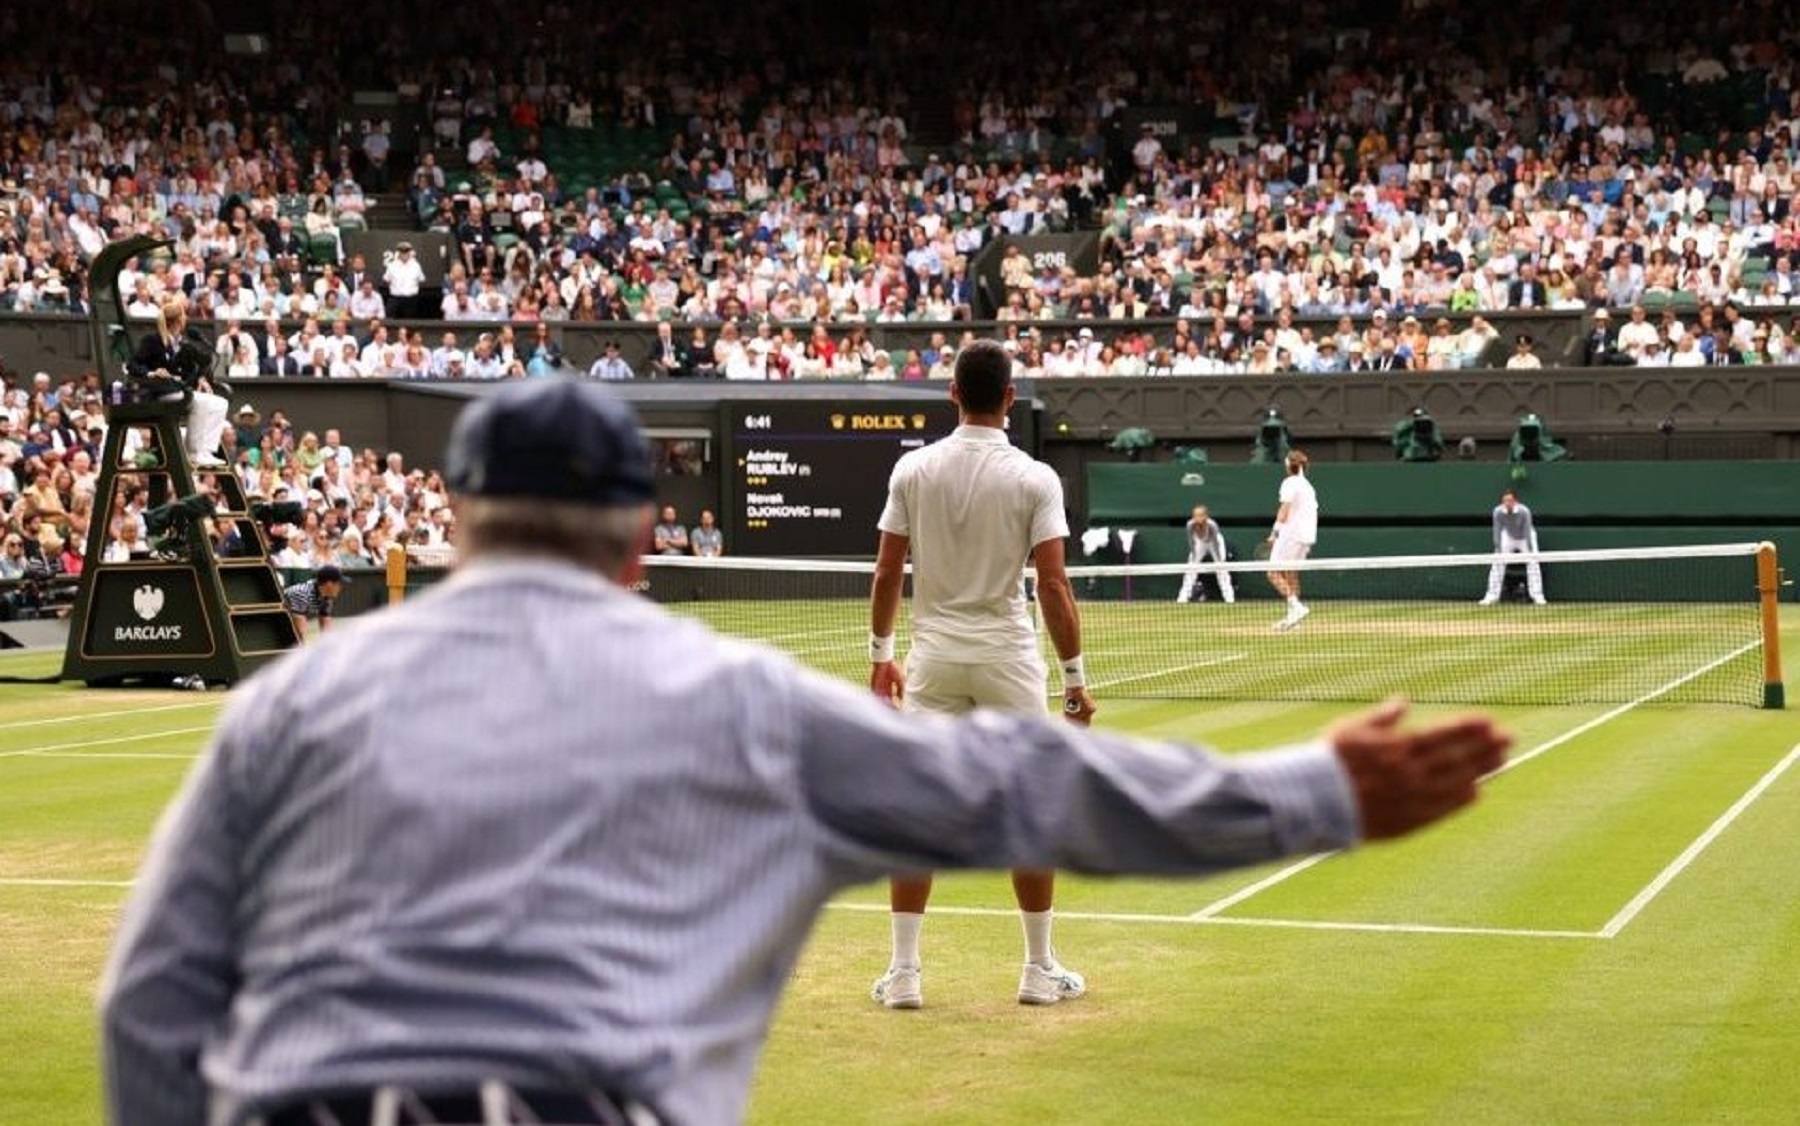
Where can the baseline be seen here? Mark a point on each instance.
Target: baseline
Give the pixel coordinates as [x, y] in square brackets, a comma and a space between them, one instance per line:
[1286, 924]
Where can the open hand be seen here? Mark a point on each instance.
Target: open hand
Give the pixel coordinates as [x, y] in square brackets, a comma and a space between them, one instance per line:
[1405, 780]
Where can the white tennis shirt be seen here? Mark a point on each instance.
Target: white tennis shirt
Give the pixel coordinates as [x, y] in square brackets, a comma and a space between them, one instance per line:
[972, 506]
[1302, 525]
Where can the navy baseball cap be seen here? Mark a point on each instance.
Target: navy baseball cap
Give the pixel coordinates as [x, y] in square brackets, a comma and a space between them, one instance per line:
[552, 439]
[330, 573]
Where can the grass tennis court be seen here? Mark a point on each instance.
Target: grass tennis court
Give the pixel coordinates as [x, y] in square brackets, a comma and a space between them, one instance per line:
[1612, 935]
[1441, 652]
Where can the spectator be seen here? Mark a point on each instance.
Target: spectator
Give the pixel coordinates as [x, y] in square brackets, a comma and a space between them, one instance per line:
[669, 536]
[1523, 357]
[611, 365]
[403, 277]
[706, 540]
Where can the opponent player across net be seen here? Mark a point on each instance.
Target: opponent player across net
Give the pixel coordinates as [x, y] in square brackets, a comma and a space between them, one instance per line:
[1296, 530]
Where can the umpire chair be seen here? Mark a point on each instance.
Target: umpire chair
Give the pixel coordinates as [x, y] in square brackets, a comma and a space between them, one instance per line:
[180, 610]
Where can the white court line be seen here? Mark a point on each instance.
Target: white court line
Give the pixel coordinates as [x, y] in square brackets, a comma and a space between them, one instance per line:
[83, 717]
[1237, 897]
[1289, 924]
[1584, 728]
[103, 755]
[1213, 909]
[1656, 886]
[1400, 928]
[780, 640]
[105, 742]
[1103, 685]
[1079, 916]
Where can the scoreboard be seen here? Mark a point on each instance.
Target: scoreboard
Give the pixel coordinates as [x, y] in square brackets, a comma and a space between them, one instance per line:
[809, 477]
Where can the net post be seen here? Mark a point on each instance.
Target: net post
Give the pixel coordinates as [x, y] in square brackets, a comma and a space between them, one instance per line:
[396, 574]
[1768, 591]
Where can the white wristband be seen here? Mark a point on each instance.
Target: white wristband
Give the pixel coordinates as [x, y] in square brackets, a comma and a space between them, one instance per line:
[1074, 673]
[1276, 530]
[881, 649]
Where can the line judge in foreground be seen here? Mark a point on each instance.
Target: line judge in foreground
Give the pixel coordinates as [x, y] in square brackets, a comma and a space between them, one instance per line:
[528, 848]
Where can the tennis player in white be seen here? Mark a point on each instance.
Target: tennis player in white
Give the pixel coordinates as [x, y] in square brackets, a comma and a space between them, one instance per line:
[1206, 542]
[971, 510]
[1513, 534]
[1296, 530]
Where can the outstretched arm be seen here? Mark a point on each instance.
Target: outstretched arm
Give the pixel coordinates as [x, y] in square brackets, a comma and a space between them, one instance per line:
[1009, 790]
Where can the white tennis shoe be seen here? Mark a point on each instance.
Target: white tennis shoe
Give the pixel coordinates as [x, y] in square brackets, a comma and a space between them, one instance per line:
[1295, 613]
[899, 988]
[1047, 985]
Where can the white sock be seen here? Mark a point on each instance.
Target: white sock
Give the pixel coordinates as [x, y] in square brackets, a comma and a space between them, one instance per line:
[906, 938]
[1037, 936]
[1293, 600]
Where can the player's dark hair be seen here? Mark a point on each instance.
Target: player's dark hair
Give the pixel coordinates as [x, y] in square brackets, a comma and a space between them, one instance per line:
[983, 373]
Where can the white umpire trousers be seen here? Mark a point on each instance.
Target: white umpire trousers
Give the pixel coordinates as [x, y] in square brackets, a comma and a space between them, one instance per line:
[1534, 576]
[205, 422]
[1192, 577]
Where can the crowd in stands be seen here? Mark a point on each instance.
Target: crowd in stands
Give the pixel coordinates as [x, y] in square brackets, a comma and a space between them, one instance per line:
[1442, 165]
[1364, 188]
[354, 503]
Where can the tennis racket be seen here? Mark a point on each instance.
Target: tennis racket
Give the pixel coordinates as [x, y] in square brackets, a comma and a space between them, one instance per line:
[1263, 550]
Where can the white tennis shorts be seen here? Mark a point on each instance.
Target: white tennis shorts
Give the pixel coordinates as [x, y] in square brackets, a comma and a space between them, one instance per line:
[1286, 550]
[954, 688]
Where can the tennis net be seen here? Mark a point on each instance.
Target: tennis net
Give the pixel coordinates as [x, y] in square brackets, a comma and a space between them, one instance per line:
[1668, 624]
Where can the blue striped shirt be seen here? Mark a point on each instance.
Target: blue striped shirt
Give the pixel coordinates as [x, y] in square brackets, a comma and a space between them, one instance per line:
[304, 599]
[530, 827]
